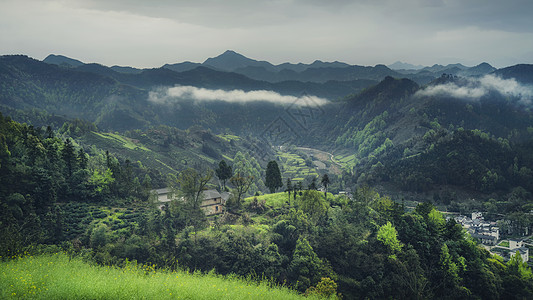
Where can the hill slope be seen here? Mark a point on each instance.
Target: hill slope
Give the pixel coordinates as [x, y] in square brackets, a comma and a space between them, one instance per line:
[60, 277]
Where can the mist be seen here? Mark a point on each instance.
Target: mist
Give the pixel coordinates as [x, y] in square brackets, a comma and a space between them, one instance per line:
[173, 94]
[476, 88]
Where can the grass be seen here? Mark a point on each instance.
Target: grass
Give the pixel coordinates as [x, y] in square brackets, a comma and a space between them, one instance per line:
[229, 137]
[277, 200]
[274, 200]
[504, 244]
[56, 276]
[126, 142]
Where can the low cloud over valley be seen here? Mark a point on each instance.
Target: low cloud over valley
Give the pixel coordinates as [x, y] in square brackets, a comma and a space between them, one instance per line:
[476, 88]
[174, 94]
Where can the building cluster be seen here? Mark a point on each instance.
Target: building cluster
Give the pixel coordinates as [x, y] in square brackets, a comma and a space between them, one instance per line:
[488, 234]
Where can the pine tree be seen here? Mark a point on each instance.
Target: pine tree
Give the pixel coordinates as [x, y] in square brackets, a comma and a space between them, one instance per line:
[69, 156]
[273, 176]
[289, 189]
[325, 183]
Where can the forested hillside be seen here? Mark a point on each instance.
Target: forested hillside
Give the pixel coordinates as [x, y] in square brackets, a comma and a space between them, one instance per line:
[340, 184]
[53, 193]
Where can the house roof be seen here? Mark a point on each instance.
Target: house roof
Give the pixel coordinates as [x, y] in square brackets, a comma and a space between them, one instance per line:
[211, 194]
[161, 191]
[225, 195]
[483, 236]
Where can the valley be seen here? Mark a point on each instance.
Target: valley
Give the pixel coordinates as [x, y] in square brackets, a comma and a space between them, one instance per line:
[340, 179]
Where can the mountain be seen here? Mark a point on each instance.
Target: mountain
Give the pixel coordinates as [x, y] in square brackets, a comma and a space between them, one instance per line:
[388, 133]
[126, 70]
[405, 140]
[62, 61]
[436, 68]
[35, 91]
[181, 67]
[481, 69]
[318, 71]
[521, 72]
[231, 60]
[398, 65]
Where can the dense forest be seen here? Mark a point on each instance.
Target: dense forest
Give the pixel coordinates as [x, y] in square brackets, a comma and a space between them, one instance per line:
[352, 195]
[54, 193]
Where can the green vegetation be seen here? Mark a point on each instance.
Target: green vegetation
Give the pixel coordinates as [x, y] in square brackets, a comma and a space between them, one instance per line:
[504, 244]
[59, 277]
[84, 187]
[125, 142]
[273, 176]
[294, 166]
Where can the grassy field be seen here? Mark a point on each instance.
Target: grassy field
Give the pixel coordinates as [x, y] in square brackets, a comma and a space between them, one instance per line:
[504, 244]
[126, 142]
[293, 166]
[274, 200]
[277, 200]
[56, 276]
[347, 161]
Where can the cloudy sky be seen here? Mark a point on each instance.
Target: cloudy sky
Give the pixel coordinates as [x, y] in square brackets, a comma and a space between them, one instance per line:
[145, 33]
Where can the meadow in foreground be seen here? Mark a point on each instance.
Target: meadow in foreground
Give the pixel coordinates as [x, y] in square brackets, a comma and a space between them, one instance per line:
[56, 276]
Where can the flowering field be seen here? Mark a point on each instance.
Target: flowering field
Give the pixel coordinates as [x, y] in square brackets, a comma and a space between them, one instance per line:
[58, 277]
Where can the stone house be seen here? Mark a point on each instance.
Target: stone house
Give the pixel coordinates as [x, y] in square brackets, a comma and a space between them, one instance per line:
[213, 202]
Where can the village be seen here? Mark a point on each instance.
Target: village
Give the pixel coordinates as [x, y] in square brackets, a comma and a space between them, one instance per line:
[488, 233]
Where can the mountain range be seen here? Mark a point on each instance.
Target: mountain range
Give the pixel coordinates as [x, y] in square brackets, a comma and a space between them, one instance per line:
[318, 71]
[367, 115]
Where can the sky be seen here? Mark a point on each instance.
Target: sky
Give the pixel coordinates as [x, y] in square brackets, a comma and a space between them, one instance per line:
[147, 34]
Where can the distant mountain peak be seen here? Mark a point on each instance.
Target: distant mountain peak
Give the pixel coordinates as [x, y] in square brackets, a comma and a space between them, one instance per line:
[231, 52]
[62, 60]
[231, 60]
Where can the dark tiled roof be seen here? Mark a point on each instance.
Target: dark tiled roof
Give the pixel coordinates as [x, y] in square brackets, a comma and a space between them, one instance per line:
[211, 194]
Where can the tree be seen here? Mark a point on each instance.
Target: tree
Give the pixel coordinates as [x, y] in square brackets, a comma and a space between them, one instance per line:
[388, 235]
[289, 189]
[306, 268]
[325, 183]
[224, 172]
[82, 159]
[247, 165]
[241, 184]
[273, 176]
[312, 185]
[312, 204]
[191, 183]
[69, 156]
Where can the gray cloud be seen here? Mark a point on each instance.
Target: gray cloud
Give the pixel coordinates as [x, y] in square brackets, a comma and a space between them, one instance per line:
[475, 88]
[144, 33]
[175, 94]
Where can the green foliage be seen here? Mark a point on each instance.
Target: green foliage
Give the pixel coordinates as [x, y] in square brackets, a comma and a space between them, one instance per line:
[242, 184]
[273, 176]
[101, 181]
[305, 266]
[388, 235]
[247, 166]
[224, 172]
[191, 184]
[312, 203]
[519, 267]
[326, 288]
